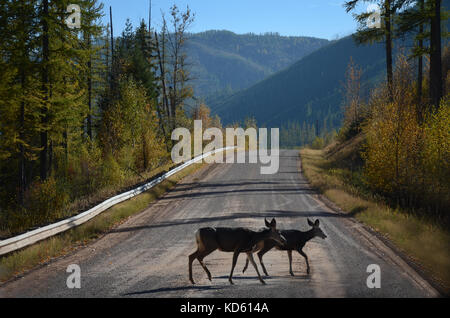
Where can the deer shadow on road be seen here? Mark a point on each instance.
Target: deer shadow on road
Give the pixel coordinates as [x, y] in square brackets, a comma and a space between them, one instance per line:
[267, 278]
[172, 289]
[255, 278]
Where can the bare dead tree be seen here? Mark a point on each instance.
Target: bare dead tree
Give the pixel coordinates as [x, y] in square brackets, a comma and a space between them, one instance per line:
[173, 68]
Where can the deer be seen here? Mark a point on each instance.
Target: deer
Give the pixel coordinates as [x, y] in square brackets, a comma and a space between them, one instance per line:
[235, 240]
[295, 241]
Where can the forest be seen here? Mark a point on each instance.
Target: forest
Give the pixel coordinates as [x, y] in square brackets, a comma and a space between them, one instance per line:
[404, 123]
[84, 113]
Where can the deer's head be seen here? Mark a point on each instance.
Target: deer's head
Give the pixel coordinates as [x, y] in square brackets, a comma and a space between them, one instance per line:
[274, 233]
[317, 231]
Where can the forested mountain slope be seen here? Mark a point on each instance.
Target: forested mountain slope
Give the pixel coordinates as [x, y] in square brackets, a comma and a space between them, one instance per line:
[309, 90]
[222, 61]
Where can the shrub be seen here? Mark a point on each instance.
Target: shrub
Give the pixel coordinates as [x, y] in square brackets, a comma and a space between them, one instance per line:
[111, 173]
[84, 170]
[44, 202]
[436, 158]
[318, 143]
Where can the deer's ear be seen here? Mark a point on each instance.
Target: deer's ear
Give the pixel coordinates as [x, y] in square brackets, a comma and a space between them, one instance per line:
[267, 223]
[310, 223]
[273, 223]
[317, 222]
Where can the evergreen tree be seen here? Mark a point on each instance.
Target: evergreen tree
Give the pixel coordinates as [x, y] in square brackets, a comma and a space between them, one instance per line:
[19, 91]
[92, 63]
[383, 33]
[44, 18]
[436, 83]
[66, 108]
[423, 17]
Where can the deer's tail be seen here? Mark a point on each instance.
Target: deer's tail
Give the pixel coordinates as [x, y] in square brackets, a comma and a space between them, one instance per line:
[198, 239]
[206, 239]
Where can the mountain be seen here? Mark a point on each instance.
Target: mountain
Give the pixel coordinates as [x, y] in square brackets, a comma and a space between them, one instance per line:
[308, 91]
[224, 62]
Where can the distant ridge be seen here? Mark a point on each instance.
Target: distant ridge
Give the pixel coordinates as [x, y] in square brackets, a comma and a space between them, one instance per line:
[308, 91]
[223, 62]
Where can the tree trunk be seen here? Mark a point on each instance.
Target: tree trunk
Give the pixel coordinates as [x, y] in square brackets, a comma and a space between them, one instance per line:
[435, 56]
[89, 117]
[112, 52]
[66, 146]
[22, 149]
[165, 99]
[45, 88]
[388, 47]
[420, 71]
[50, 157]
[144, 152]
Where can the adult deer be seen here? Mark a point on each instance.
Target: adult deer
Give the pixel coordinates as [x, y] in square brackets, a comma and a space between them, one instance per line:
[236, 240]
[295, 241]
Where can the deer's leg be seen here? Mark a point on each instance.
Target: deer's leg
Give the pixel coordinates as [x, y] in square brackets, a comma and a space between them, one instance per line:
[199, 255]
[258, 247]
[306, 259]
[235, 257]
[246, 265]
[260, 256]
[250, 257]
[290, 262]
[191, 259]
[261, 253]
[200, 260]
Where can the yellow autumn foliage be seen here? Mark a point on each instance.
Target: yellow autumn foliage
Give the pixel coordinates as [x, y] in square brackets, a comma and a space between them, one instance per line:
[408, 160]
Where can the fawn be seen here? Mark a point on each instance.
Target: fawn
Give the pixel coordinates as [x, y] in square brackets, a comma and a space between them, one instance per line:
[295, 241]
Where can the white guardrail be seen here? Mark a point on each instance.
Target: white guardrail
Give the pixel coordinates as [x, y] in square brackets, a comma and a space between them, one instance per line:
[18, 242]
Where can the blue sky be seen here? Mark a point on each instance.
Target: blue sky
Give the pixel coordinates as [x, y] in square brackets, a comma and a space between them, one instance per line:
[318, 18]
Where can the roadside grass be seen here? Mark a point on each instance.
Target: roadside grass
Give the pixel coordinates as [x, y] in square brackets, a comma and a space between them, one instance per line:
[422, 240]
[16, 263]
